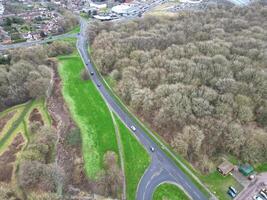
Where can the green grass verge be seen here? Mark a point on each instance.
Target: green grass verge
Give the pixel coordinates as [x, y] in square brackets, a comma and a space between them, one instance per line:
[75, 30]
[169, 192]
[261, 167]
[90, 113]
[136, 159]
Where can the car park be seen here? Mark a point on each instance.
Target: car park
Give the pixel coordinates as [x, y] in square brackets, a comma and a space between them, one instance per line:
[133, 128]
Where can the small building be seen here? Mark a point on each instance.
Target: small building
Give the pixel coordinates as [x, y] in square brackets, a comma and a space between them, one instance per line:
[246, 169]
[225, 168]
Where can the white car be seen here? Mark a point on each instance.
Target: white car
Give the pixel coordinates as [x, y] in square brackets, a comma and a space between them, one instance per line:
[257, 198]
[133, 128]
[152, 149]
[263, 194]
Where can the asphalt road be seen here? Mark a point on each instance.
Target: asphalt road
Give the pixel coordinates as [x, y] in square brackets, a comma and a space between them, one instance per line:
[36, 42]
[162, 168]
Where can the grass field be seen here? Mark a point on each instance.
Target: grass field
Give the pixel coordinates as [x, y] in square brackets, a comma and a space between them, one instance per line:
[90, 113]
[75, 30]
[135, 157]
[169, 192]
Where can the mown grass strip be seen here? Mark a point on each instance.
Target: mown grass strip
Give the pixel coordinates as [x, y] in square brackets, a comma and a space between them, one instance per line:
[168, 191]
[135, 157]
[15, 124]
[90, 113]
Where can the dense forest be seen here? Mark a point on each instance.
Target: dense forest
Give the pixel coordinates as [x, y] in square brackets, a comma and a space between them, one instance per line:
[25, 73]
[199, 79]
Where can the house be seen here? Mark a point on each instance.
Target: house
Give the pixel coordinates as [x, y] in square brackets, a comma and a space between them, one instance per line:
[246, 169]
[225, 168]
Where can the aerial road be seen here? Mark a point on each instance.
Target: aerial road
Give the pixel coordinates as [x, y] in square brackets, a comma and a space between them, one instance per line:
[36, 42]
[162, 168]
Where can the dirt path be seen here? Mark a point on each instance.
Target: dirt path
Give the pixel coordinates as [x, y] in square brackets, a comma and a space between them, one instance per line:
[62, 123]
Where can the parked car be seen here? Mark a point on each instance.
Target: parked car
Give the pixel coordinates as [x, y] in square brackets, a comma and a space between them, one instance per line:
[263, 195]
[231, 193]
[133, 128]
[257, 197]
[233, 189]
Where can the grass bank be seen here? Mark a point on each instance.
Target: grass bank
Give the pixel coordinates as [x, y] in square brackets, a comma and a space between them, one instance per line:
[89, 112]
[135, 157]
[169, 192]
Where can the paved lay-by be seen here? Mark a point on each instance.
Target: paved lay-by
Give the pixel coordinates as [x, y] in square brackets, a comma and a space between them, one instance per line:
[162, 168]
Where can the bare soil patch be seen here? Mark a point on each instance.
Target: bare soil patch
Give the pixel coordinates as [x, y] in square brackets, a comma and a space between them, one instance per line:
[35, 116]
[8, 157]
[5, 119]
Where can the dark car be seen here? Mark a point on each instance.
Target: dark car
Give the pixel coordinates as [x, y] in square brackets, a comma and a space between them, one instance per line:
[98, 85]
[92, 73]
[231, 193]
[233, 189]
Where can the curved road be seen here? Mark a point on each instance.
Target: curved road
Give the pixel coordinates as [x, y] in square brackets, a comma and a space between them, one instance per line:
[162, 168]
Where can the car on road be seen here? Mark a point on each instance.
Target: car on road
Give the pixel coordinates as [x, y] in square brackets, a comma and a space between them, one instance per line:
[152, 149]
[92, 73]
[133, 128]
[98, 84]
[231, 193]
